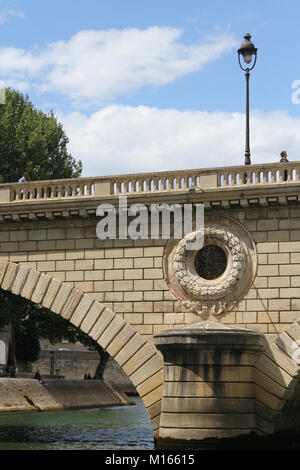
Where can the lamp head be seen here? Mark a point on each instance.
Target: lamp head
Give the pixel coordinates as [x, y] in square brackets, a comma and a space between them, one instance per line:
[247, 49]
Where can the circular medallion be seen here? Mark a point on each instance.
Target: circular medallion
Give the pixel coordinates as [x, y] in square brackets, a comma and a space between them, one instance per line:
[213, 277]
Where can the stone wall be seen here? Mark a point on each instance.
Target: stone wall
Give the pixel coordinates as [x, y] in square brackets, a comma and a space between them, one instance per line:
[69, 364]
[75, 364]
[55, 394]
[128, 275]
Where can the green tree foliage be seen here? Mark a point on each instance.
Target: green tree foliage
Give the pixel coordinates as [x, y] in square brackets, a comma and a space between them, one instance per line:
[32, 141]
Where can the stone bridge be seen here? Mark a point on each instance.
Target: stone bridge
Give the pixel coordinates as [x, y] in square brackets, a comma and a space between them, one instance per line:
[127, 291]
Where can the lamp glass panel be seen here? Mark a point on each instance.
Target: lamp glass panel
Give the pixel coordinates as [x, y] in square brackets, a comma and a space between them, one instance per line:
[247, 57]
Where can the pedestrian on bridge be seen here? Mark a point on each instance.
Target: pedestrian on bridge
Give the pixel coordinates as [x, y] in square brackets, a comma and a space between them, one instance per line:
[283, 159]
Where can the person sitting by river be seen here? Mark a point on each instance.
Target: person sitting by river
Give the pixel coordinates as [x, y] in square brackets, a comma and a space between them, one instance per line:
[38, 377]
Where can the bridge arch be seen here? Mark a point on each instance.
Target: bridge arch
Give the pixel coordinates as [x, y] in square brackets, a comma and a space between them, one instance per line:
[139, 359]
[276, 378]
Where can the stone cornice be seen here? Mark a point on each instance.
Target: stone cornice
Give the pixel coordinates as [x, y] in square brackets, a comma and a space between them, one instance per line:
[280, 194]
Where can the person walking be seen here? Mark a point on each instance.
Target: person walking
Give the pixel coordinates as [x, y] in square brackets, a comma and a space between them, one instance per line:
[283, 159]
[25, 178]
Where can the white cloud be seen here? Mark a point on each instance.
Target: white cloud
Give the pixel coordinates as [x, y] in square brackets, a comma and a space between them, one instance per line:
[95, 67]
[123, 139]
[6, 14]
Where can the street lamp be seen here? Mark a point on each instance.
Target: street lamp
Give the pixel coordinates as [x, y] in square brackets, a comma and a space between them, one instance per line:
[249, 53]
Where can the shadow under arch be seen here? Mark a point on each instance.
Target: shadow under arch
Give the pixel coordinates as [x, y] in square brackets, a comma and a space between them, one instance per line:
[138, 358]
[276, 381]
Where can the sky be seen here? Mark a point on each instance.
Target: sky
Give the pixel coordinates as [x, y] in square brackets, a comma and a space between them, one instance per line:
[155, 85]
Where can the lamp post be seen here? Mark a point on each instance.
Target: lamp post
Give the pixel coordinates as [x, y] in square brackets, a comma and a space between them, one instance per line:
[249, 53]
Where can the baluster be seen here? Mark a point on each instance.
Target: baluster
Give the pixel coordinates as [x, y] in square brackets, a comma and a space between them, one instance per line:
[147, 185]
[39, 192]
[129, 186]
[192, 181]
[272, 172]
[125, 184]
[118, 187]
[18, 194]
[281, 175]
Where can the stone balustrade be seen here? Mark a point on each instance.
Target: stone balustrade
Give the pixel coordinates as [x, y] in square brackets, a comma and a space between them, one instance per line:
[167, 181]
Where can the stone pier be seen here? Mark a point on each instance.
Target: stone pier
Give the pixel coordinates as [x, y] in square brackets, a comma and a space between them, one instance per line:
[208, 382]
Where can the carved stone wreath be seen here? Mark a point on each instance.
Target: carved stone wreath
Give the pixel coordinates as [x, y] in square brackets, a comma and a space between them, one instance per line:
[199, 287]
[213, 295]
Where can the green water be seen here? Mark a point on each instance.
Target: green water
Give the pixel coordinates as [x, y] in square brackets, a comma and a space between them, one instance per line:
[121, 427]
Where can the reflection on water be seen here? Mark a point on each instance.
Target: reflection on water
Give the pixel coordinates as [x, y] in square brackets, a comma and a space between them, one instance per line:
[121, 427]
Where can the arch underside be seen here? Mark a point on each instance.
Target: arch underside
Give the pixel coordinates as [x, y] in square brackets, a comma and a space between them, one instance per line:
[276, 379]
[138, 358]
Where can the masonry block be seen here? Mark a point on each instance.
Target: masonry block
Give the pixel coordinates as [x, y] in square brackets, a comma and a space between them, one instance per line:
[91, 316]
[71, 304]
[20, 280]
[9, 276]
[61, 298]
[41, 288]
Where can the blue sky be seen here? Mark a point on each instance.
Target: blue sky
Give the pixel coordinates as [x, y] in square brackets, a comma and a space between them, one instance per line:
[155, 85]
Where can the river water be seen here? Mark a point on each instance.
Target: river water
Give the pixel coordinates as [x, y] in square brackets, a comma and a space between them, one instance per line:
[118, 427]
